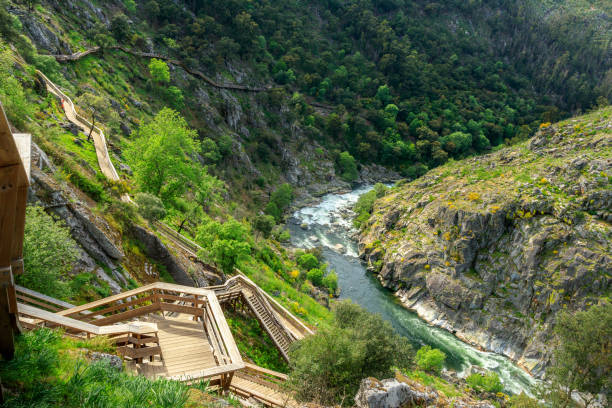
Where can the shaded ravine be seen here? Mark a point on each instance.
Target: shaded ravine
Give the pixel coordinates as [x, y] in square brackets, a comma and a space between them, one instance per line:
[328, 224]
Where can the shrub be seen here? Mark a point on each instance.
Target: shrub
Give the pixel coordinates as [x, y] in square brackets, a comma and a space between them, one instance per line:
[315, 276]
[308, 261]
[328, 366]
[264, 224]
[330, 281]
[49, 253]
[489, 382]
[429, 359]
[522, 401]
[150, 207]
[348, 167]
[159, 71]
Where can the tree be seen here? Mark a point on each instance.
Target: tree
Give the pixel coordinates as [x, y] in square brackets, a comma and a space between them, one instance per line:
[159, 71]
[161, 156]
[150, 207]
[328, 366]
[264, 224]
[120, 27]
[308, 261]
[348, 167]
[97, 107]
[330, 281]
[582, 359]
[31, 4]
[280, 199]
[429, 359]
[226, 242]
[49, 254]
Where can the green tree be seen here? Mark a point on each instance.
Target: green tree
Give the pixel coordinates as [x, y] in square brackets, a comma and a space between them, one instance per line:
[330, 281]
[161, 156]
[308, 261]
[120, 27]
[280, 200]
[315, 275]
[159, 71]
[264, 224]
[226, 242]
[582, 359]
[430, 359]
[49, 254]
[150, 207]
[348, 167]
[328, 366]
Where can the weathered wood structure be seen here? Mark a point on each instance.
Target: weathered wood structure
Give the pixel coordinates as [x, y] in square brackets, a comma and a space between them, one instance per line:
[14, 181]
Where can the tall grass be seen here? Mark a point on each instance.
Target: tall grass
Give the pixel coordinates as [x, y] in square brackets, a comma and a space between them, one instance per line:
[49, 371]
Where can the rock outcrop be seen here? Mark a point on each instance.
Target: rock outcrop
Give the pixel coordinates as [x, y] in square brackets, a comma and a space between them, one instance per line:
[392, 393]
[492, 248]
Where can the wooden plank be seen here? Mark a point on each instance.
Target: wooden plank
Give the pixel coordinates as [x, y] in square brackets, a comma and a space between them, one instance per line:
[124, 305]
[27, 299]
[126, 315]
[107, 300]
[224, 330]
[30, 292]
[210, 372]
[265, 370]
[171, 307]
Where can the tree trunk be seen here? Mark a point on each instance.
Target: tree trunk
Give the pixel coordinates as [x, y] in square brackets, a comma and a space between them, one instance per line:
[93, 124]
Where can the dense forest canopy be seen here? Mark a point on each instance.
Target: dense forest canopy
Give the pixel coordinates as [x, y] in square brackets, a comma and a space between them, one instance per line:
[410, 83]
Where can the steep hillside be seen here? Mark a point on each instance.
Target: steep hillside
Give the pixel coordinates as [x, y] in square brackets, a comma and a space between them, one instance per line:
[491, 248]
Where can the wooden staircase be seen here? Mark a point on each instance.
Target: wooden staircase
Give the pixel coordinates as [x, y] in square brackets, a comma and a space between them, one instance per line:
[268, 320]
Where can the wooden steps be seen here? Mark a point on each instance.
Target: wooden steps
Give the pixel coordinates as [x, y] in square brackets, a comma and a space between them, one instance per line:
[269, 395]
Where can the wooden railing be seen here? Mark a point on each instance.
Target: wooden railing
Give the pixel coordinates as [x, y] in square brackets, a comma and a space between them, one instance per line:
[100, 317]
[276, 395]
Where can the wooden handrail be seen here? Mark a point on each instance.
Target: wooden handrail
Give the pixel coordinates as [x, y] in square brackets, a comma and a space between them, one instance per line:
[74, 324]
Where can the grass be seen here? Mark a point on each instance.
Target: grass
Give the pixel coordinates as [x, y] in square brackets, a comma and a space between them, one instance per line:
[51, 371]
[254, 342]
[429, 380]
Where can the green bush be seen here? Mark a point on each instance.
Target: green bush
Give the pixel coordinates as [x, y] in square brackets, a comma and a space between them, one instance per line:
[49, 254]
[315, 275]
[348, 167]
[522, 401]
[429, 359]
[330, 281]
[328, 366]
[264, 224]
[150, 207]
[159, 71]
[489, 382]
[308, 261]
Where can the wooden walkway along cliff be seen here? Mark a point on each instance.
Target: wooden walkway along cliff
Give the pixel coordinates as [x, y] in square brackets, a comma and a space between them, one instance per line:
[171, 331]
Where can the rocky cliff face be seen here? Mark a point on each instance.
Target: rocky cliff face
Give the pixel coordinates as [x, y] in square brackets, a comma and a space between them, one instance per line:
[491, 248]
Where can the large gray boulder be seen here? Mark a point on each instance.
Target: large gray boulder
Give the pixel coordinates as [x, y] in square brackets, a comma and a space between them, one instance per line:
[392, 393]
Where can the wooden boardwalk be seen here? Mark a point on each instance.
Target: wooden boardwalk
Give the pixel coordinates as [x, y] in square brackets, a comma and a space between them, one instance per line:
[184, 346]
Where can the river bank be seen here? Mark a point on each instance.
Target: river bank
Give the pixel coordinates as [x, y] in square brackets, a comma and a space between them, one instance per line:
[328, 224]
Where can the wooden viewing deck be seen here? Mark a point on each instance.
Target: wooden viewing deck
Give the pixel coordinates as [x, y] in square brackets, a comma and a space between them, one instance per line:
[177, 332]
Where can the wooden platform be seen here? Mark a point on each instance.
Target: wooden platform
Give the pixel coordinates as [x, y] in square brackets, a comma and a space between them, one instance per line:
[184, 345]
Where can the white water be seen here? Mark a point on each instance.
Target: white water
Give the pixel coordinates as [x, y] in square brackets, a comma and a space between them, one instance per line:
[328, 228]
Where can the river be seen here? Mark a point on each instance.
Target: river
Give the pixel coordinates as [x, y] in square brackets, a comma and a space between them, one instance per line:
[327, 227]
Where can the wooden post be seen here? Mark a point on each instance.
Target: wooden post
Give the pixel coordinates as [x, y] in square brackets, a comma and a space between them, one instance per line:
[13, 196]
